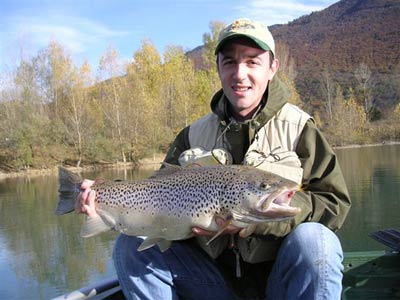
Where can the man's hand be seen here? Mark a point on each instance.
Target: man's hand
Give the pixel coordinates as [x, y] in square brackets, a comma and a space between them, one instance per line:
[85, 203]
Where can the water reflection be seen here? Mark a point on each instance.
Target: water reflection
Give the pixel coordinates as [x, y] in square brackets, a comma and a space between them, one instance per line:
[42, 255]
[373, 178]
[43, 251]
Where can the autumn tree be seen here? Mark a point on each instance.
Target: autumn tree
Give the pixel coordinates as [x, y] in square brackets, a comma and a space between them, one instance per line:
[287, 71]
[178, 88]
[77, 113]
[27, 118]
[363, 76]
[349, 122]
[329, 91]
[113, 86]
[210, 41]
[54, 66]
[146, 71]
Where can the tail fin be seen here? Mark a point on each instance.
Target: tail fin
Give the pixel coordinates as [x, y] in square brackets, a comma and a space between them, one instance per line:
[68, 190]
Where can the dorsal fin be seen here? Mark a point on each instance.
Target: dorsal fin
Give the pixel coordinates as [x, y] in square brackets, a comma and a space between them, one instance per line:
[99, 181]
[166, 169]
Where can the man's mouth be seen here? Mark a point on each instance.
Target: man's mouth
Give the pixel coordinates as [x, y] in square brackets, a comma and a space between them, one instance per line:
[241, 89]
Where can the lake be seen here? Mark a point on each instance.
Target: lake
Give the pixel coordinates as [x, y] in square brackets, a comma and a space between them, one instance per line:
[43, 256]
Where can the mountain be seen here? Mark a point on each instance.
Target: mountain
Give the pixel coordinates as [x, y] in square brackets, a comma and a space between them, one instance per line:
[340, 38]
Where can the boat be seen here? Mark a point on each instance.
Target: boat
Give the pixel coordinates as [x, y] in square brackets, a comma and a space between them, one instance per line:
[368, 275]
[373, 275]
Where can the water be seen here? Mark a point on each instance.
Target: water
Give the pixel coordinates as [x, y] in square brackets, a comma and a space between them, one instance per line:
[42, 255]
[373, 178]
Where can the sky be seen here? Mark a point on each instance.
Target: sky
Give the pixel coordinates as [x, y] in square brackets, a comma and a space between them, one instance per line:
[87, 28]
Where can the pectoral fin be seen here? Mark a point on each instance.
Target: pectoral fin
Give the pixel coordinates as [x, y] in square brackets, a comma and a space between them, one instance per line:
[150, 242]
[164, 245]
[94, 226]
[220, 231]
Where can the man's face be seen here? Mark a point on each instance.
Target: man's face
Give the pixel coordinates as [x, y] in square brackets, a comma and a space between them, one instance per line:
[244, 71]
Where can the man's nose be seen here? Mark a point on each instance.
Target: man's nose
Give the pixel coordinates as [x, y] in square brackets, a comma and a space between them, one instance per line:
[240, 71]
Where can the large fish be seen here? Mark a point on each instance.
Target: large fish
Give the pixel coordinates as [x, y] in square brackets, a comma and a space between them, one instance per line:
[167, 205]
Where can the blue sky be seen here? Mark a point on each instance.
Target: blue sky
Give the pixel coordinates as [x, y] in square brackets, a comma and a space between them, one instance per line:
[86, 28]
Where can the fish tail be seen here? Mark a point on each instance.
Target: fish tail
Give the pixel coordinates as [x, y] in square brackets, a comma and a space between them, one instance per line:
[69, 184]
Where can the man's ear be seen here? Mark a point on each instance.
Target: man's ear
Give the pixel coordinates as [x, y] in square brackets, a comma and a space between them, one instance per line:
[274, 66]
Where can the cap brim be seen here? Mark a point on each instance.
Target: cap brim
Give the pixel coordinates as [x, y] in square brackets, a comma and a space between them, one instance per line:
[258, 42]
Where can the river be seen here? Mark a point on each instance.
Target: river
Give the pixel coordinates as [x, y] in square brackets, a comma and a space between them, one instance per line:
[43, 256]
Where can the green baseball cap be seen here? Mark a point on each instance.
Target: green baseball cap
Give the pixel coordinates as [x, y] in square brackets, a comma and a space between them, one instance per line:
[256, 31]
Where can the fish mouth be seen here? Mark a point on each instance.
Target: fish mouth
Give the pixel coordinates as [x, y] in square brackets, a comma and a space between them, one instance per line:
[281, 197]
[271, 207]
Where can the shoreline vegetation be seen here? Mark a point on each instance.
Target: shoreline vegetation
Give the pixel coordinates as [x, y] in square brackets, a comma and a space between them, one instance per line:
[53, 111]
[151, 162]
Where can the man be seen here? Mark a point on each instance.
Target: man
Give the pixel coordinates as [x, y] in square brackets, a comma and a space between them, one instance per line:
[252, 122]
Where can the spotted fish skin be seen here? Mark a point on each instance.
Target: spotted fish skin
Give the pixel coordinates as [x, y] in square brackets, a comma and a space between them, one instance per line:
[167, 205]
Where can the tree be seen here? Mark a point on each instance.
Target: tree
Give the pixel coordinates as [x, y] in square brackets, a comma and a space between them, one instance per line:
[349, 120]
[146, 70]
[287, 71]
[363, 76]
[329, 89]
[76, 110]
[178, 89]
[114, 84]
[210, 41]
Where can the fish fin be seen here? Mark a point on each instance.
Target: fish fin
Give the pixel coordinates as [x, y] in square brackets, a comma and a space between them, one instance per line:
[68, 190]
[94, 226]
[148, 243]
[164, 245]
[166, 169]
[220, 231]
[99, 181]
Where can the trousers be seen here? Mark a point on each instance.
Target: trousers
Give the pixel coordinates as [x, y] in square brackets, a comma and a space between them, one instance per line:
[308, 266]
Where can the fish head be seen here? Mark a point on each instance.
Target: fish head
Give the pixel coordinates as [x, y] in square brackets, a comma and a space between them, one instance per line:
[264, 197]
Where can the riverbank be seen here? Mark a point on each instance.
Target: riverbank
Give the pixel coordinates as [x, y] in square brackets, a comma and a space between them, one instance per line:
[153, 162]
[368, 145]
[150, 163]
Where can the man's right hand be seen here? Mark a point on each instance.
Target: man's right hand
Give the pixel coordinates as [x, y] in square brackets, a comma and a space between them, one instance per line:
[85, 203]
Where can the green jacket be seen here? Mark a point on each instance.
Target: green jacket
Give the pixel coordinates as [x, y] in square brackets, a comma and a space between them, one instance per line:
[325, 200]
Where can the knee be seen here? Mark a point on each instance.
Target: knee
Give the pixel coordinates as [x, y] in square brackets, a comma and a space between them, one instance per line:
[315, 242]
[126, 242]
[125, 249]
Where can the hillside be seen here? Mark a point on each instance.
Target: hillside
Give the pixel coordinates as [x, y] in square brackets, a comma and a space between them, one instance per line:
[340, 38]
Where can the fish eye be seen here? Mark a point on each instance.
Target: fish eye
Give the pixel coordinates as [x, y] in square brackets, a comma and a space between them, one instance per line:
[264, 186]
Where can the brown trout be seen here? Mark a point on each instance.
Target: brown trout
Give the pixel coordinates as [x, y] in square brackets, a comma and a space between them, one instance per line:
[165, 206]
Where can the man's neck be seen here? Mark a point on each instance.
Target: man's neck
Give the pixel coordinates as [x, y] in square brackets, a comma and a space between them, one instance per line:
[243, 117]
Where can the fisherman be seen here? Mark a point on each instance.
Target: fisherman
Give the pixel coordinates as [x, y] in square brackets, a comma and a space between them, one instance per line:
[252, 122]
